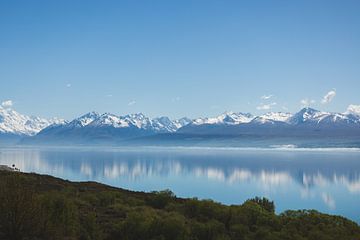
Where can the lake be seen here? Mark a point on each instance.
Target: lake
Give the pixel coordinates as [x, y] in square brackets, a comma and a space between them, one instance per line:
[327, 180]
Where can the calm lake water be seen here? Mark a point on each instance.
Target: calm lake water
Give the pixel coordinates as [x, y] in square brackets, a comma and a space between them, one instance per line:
[328, 181]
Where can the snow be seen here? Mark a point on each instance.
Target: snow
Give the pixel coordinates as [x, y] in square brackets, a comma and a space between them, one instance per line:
[308, 115]
[274, 117]
[182, 122]
[108, 119]
[15, 123]
[84, 120]
[138, 119]
[225, 118]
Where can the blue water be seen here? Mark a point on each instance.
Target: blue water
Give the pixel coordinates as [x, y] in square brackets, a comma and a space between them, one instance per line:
[325, 180]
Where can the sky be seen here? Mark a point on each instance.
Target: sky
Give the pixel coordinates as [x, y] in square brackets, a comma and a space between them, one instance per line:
[178, 58]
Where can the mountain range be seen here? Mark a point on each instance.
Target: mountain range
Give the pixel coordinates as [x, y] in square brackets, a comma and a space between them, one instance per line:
[306, 122]
[95, 128]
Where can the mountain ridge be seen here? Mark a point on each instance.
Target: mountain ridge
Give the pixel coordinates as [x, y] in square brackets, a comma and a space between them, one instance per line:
[108, 127]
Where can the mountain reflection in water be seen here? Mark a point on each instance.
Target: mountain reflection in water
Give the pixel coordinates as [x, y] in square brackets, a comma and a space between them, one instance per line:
[328, 181]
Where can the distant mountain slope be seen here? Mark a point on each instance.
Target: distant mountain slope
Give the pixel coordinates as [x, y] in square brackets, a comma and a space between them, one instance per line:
[13, 123]
[229, 118]
[110, 128]
[107, 127]
[306, 122]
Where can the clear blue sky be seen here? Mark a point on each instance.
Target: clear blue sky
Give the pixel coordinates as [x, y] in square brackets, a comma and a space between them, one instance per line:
[177, 58]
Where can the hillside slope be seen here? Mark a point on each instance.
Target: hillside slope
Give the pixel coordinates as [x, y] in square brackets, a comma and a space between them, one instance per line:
[43, 207]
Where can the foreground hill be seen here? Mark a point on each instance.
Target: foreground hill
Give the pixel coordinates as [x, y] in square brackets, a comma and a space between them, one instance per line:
[42, 207]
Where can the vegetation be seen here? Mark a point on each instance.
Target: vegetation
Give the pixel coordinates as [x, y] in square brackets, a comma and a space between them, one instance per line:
[42, 207]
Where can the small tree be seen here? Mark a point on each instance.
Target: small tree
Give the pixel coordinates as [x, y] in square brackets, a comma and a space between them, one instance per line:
[264, 203]
[160, 199]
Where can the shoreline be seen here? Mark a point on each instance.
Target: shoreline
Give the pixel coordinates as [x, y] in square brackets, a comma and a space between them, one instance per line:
[273, 148]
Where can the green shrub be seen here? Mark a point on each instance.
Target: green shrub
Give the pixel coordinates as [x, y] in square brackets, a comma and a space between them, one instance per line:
[34, 207]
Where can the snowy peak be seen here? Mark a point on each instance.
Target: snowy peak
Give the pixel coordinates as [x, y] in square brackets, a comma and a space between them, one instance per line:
[179, 123]
[84, 120]
[109, 120]
[309, 115]
[12, 122]
[230, 118]
[235, 118]
[272, 117]
[306, 115]
[164, 124]
[136, 121]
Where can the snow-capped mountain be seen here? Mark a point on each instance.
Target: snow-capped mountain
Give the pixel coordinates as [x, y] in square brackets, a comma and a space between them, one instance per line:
[315, 117]
[137, 120]
[84, 120]
[308, 115]
[94, 127]
[14, 123]
[225, 118]
[305, 115]
[182, 122]
[272, 118]
[306, 122]
[232, 118]
[108, 120]
[164, 124]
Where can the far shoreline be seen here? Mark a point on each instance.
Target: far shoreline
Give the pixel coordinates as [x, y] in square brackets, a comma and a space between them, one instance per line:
[273, 148]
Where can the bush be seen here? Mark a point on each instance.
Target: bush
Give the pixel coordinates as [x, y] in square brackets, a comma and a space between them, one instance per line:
[159, 199]
[20, 211]
[41, 207]
[264, 203]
